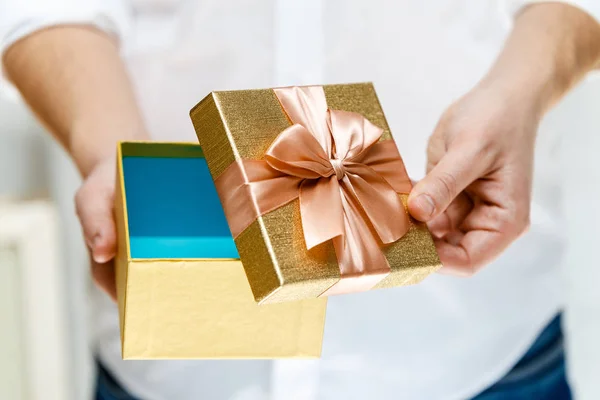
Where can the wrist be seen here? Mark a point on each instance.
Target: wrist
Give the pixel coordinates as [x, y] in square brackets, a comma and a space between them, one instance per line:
[89, 149]
[551, 47]
[532, 93]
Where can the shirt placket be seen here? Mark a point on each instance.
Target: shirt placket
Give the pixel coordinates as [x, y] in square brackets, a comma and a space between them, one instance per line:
[299, 45]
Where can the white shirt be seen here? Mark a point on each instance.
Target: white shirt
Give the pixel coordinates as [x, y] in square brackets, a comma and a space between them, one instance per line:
[446, 338]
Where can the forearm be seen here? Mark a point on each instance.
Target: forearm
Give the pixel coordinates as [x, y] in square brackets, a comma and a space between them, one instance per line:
[551, 47]
[75, 81]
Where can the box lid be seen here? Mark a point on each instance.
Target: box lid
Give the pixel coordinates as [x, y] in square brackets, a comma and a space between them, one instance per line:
[236, 126]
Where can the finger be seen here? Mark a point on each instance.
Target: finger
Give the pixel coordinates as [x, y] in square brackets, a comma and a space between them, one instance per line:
[453, 217]
[511, 221]
[104, 276]
[95, 211]
[455, 171]
[490, 229]
[476, 249]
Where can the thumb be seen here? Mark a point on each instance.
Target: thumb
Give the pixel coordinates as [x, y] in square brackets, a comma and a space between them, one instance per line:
[95, 211]
[456, 170]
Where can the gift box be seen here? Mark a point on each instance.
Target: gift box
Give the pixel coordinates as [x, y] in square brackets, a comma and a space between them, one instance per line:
[314, 190]
[182, 291]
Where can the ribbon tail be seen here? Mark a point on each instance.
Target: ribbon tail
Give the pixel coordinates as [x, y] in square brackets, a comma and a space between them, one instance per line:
[380, 203]
[321, 210]
[362, 262]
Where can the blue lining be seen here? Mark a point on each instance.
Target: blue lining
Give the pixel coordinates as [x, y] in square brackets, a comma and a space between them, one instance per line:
[173, 210]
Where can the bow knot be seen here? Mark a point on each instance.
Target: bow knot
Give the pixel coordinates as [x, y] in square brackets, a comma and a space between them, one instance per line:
[346, 174]
[338, 168]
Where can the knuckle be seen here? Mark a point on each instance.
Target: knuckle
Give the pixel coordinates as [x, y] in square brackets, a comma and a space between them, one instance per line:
[449, 114]
[523, 217]
[484, 146]
[436, 140]
[522, 225]
[468, 271]
[517, 223]
[505, 225]
[487, 145]
[447, 185]
[465, 269]
[480, 146]
[526, 225]
[436, 147]
[471, 267]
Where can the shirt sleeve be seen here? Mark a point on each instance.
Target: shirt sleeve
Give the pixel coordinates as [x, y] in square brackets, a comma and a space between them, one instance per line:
[20, 18]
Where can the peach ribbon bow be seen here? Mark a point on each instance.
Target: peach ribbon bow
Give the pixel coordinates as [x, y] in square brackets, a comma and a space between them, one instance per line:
[346, 179]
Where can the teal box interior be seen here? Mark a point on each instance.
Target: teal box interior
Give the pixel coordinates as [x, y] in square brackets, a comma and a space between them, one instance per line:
[173, 210]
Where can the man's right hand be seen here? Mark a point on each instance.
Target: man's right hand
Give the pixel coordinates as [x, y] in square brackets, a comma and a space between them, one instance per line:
[94, 204]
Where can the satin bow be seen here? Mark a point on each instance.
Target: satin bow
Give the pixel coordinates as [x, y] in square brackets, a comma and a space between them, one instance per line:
[346, 179]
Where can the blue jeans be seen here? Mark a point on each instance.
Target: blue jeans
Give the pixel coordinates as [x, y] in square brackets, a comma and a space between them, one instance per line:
[539, 375]
[108, 389]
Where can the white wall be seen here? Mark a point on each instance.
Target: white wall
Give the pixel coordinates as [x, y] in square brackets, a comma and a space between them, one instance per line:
[22, 156]
[11, 346]
[31, 166]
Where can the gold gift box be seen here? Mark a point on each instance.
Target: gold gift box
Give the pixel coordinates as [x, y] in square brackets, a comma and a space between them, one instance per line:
[241, 125]
[182, 291]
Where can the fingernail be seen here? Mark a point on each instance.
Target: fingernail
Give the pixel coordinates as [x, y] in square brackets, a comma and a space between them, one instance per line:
[425, 203]
[96, 243]
[101, 258]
